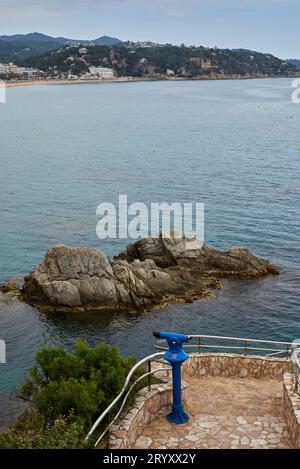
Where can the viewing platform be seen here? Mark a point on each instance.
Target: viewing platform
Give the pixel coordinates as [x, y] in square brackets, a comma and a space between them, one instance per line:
[224, 413]
[234, 400]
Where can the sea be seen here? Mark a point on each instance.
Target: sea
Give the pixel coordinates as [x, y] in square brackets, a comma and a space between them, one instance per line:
[233, 145]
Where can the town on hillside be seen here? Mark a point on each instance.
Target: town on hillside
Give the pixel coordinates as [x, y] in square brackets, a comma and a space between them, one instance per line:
[145, 60]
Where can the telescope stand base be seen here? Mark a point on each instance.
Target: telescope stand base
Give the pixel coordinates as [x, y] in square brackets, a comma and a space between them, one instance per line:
[178, 417]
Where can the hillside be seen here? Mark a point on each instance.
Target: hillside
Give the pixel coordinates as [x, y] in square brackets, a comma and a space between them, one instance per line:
[178, 61]
[19, 50]
[19, 47]
[295, 62]
[31, 37]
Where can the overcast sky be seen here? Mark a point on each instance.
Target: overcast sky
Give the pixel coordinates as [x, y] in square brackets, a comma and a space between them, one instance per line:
[264, 25]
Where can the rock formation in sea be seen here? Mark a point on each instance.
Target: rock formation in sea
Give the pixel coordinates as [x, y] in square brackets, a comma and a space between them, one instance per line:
[152, 271]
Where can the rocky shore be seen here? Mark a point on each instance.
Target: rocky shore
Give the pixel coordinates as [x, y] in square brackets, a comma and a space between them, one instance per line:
[151, 272]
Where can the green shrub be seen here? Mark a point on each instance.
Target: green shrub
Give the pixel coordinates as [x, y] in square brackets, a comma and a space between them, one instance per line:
[67, 391]
[84, 382]
[31, 432]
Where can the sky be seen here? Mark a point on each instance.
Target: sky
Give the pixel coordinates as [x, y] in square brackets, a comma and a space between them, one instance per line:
[265, 25]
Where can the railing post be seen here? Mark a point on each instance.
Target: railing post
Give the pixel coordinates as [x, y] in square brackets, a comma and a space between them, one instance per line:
[199, 344]
[149, 376]
[246, 347]
[109, 423]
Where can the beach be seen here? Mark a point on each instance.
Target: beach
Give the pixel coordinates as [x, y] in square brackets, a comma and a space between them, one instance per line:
[17, 84]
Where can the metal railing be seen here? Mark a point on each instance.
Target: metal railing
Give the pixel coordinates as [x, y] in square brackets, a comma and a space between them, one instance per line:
[125, 391]
[296, 366]
[267, 348]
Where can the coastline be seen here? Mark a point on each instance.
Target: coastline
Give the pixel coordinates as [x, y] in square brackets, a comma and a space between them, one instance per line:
[18, 84]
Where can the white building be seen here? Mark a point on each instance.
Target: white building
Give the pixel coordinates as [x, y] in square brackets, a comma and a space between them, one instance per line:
[4, 69]
[31, 72]
[170, 73]
[82, 50]
[20, 70]
[101, 72]
[12, 69]
[72, 77]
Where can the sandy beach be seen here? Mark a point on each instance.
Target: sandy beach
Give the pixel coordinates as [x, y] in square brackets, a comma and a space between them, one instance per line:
[17, 84]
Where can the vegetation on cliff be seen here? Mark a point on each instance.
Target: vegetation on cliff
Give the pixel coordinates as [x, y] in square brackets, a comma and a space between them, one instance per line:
[67, 392]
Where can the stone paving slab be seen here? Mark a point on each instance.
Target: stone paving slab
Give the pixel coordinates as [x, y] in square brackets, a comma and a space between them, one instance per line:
[225, 413]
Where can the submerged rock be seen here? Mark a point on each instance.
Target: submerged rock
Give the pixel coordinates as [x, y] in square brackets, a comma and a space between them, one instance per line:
[150, 272]
[12, 287]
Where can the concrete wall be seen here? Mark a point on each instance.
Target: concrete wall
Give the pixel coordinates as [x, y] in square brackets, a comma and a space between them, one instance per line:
[236, 366]
[147, 403]
[291, 408]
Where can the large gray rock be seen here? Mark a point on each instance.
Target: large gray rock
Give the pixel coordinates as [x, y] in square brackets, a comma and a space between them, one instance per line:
[151, 271]
[191, 253]
[181, 249]
[72, 277]
[79, 277]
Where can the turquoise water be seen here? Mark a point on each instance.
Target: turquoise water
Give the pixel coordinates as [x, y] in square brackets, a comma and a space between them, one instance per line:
[230, 144]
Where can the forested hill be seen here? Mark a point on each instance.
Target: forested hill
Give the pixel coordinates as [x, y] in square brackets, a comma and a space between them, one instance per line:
[160, 60]
[18, 47]
[295, 62]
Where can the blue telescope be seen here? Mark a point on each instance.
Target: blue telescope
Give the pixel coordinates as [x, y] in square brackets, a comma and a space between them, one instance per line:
[176, 356]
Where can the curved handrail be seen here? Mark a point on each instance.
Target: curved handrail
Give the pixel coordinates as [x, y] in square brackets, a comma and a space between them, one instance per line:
[240, 339]
[296, 357]
[124, 388]
[296, 364]
[125, 399]
[245, 341]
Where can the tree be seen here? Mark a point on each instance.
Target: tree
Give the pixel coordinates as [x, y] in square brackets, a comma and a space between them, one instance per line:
[83, 383]
[67, 391]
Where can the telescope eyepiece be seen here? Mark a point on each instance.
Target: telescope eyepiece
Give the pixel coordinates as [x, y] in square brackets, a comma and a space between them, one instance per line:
[156, 334]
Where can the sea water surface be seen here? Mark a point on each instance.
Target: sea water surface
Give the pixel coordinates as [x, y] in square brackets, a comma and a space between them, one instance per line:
[230, 144]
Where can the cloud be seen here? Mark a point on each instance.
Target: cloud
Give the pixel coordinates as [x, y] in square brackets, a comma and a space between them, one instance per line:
[181, 8]
[194, 3]
[174, 7]
[177, 13]
[11, 10]
[34, 8]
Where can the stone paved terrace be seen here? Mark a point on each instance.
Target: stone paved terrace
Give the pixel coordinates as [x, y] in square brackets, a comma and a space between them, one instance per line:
[224, 413]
